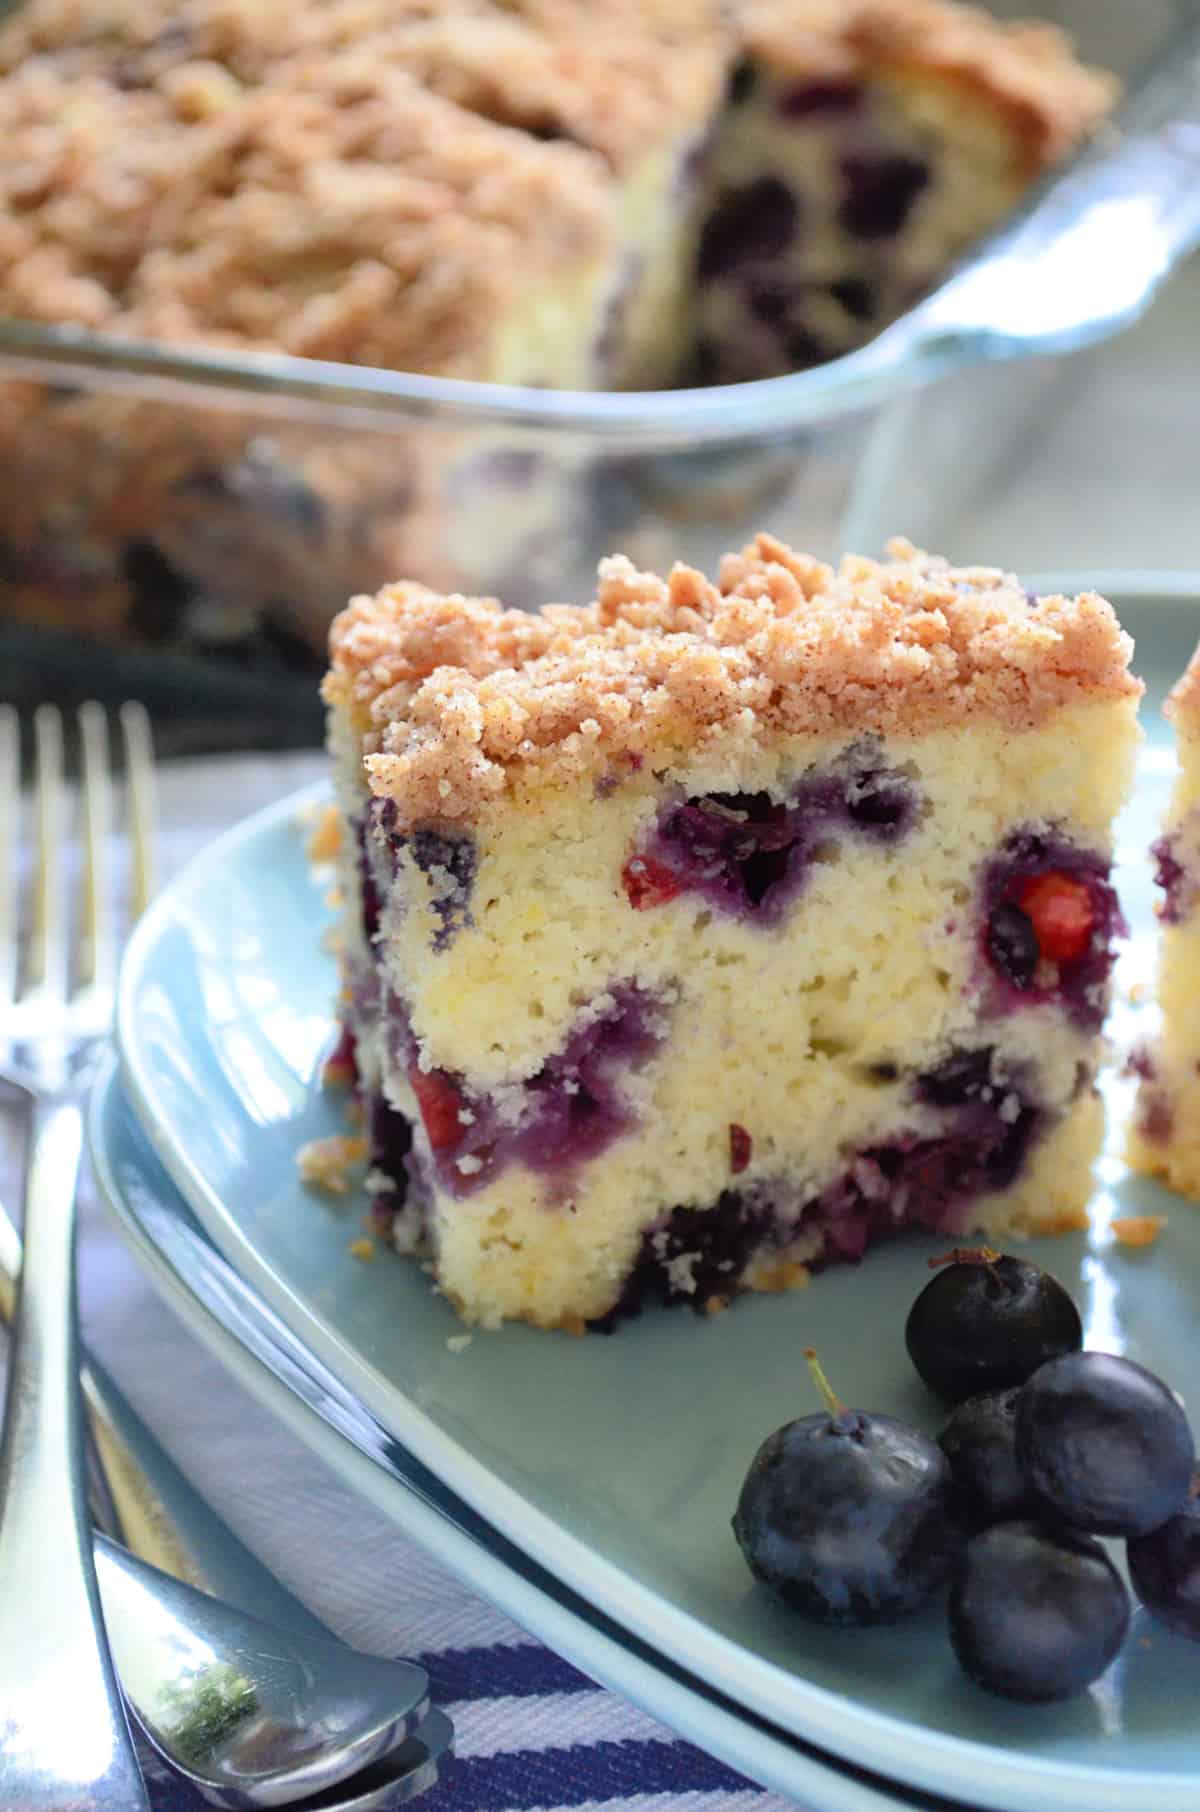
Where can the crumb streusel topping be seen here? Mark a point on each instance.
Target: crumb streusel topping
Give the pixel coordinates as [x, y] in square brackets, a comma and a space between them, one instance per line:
[1025, 65]
[614, 77]
[345, 214]
[456, 698]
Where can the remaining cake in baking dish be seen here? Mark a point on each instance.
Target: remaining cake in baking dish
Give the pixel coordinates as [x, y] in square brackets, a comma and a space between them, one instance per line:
[1164, 1140]
[538, 192]
[544, 193]
[708, 933]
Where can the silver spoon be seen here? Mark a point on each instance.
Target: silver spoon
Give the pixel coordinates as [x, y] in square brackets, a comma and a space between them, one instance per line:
[165, 1519]
[250, 1714]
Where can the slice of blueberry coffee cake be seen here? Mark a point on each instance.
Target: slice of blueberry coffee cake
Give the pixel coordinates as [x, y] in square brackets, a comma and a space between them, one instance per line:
[1164, 1140]
[703, 935]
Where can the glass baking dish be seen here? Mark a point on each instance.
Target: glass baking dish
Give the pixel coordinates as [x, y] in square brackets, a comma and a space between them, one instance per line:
[157, 499]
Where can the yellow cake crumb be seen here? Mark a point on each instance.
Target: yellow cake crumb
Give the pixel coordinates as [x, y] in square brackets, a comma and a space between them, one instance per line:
[328, 1163]
[362, 1248]
[326, 838]
[338, 1072]
[1138, 1229]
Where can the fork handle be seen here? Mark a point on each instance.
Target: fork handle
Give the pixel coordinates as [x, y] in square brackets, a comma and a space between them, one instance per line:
[64, 1739]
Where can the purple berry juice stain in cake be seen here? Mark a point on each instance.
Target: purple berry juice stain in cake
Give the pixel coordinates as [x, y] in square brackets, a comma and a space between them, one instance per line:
[1155, 1117]
[748, 225]
[880, 191]
[742, 83]
[918, 1179]
[859, 298]
[448, 862]
[399, 1196]
[809, 100]
[558, 1120]
[389, 1137]
[1180, 886]
[749, 855]
[1049, 918]
[368, 890]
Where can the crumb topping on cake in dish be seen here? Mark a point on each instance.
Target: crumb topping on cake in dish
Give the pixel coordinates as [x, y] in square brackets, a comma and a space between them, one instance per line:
[456, 697]
[1026, 66]
[614, 77]
[342, 213]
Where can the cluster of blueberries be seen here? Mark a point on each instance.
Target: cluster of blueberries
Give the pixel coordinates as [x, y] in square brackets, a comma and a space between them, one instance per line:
[857, 1519]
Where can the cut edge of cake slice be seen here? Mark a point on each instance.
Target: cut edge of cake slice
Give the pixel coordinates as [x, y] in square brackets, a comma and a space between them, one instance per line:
[702, 936]
[1164, 1137]
[866, 145]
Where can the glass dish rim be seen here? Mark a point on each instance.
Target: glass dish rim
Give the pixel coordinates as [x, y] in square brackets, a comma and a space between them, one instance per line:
[758, 410]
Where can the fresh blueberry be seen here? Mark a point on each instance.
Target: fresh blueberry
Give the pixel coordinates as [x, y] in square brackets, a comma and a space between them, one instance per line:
[1164, 1565]
[986, 1322]
[1036, 1614]
[980, 1442]
[849, 1518]
[1104, 1444]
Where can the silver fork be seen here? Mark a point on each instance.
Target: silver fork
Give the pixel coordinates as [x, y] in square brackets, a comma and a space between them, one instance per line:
[64, 1739]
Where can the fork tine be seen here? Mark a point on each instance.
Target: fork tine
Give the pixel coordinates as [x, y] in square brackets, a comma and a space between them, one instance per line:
[143, 809]
[10, 808]
[48, 944]
[97, 947]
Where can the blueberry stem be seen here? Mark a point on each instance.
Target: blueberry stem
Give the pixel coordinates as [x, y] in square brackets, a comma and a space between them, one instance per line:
[965, 1255]
[832, 1402]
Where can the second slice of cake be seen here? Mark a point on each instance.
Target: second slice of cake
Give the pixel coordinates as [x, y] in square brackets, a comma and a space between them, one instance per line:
[708, 933]
[1164, 1139]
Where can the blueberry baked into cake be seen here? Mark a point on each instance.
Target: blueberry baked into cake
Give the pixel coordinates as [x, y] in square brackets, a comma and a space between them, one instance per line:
[1164, 1140]
[699, 937]
[540, 192]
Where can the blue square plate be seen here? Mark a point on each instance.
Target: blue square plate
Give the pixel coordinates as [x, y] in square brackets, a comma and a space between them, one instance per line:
[615, 1464]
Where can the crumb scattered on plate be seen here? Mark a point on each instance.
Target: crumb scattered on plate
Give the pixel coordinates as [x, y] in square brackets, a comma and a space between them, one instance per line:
[362, 1248]
[1139, 1229]
[458, 1343]
[326, 839]
[327, 1163]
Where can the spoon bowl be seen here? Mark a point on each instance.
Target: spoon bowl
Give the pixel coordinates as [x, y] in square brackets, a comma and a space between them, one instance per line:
[250, 1714]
